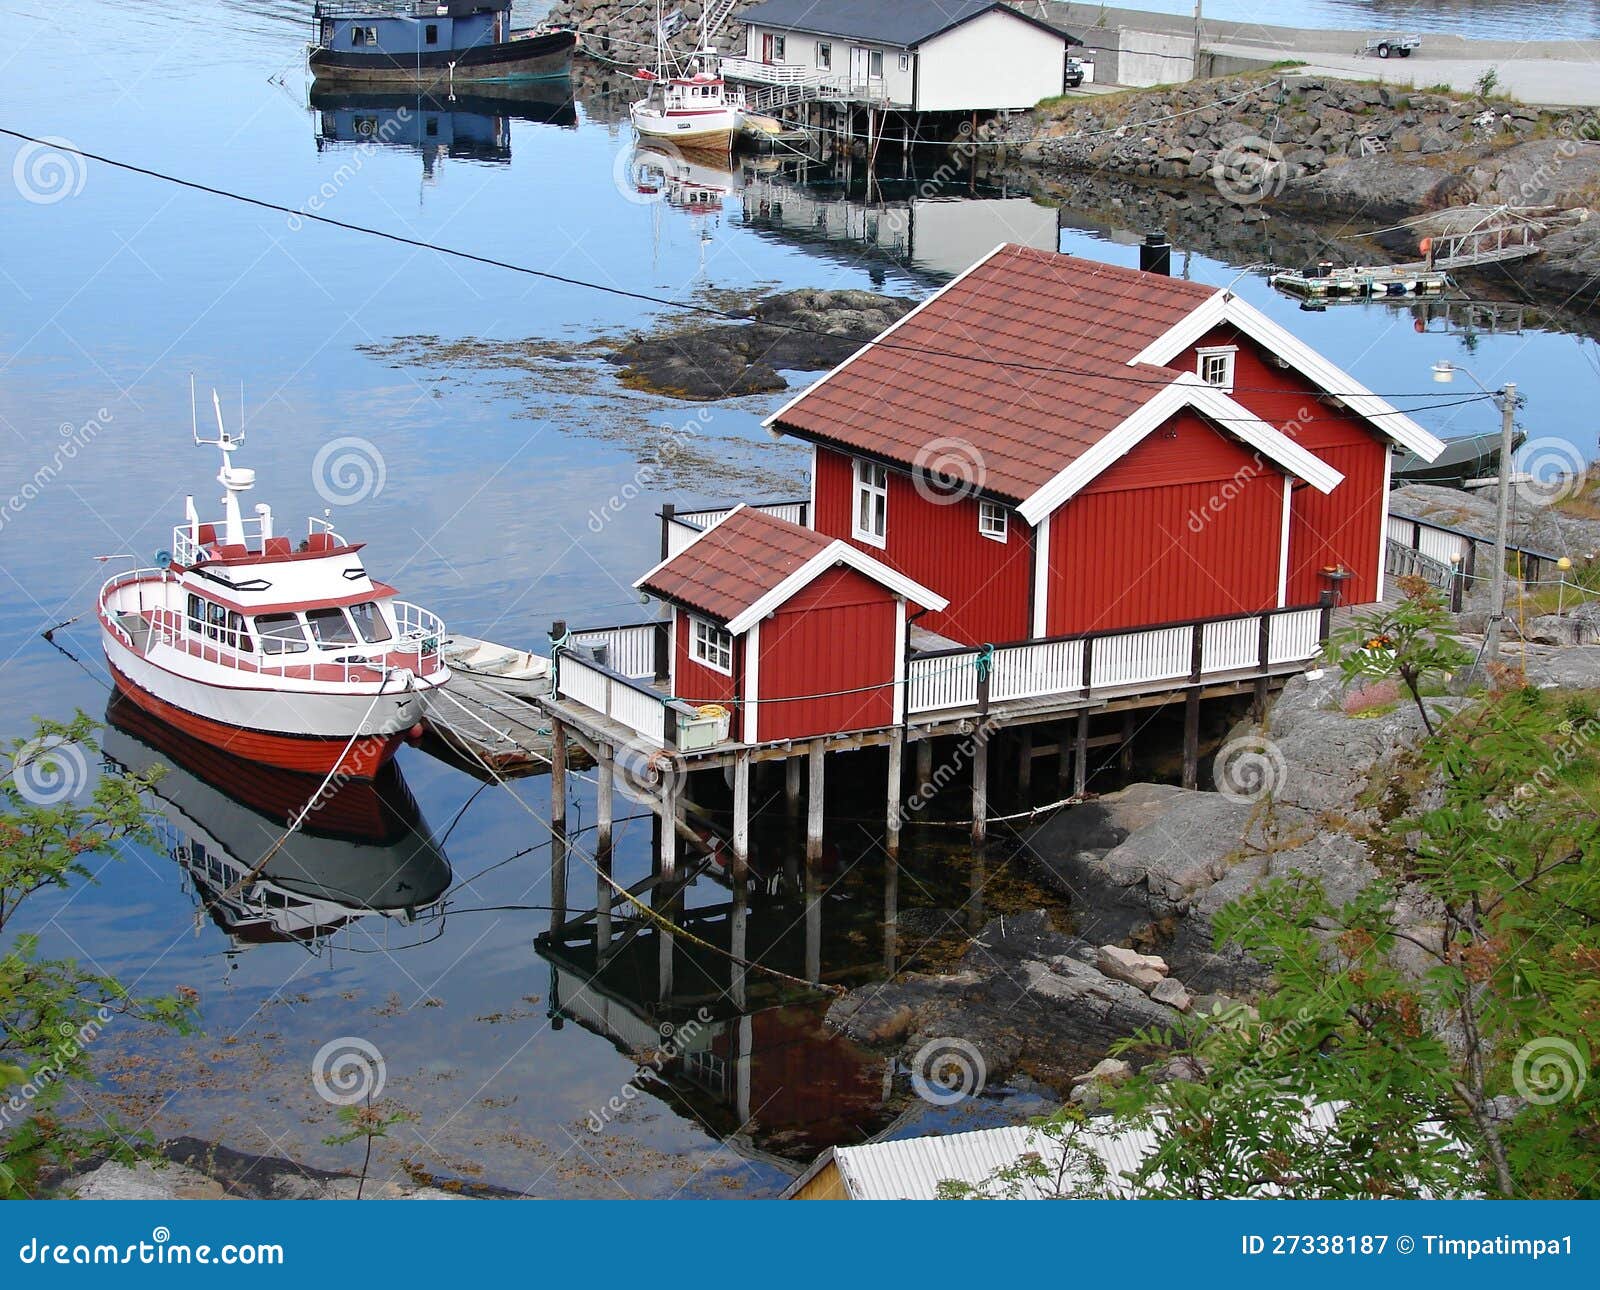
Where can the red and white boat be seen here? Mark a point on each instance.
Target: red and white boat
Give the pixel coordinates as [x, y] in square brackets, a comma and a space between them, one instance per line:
[279, 652]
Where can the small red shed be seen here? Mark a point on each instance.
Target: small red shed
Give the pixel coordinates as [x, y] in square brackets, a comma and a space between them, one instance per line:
[1063, 446]
[800, 634]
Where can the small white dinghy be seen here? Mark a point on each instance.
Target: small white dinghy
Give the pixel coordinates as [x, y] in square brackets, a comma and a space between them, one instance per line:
[515, 671]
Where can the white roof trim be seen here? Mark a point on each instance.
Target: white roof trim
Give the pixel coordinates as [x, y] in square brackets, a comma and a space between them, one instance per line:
[662, 564]
[1186, 390]
[836, 552]
[893, 327]
[1225, 307]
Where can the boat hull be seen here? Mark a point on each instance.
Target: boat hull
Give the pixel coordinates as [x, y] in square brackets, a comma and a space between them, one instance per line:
[525, 58]
[361, 758]
[700, 132]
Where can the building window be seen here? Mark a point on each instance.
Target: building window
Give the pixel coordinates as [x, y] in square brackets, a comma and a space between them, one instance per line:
[875, 63]
[430, 33]
[711, 645]
[777, 49]
[992, 522]
[1215, 367]
[872, 502]
[905, 62]
[824, 55]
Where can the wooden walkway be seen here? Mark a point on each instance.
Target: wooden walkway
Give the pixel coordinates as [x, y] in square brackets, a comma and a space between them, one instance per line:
[479, 725]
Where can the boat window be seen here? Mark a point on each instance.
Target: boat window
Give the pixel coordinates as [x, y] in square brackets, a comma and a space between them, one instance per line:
[216, 621]
[430, 33]
[196, 613]
[363, 36]
[237, 636]
[824, 55]
[370, 622]
[330, 627]
[281, 634]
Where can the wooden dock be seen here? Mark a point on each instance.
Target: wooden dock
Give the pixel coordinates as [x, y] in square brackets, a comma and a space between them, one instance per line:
[475, 725]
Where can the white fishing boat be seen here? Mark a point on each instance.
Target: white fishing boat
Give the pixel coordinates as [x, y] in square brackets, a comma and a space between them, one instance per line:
[504, 667]
[691, 106]
[286, 654]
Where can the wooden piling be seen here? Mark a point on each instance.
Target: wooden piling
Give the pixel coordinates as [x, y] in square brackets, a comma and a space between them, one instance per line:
[1191, 739]
[558, 774]
[814, 797]
[1125, 751]
[924, 763]
[666, 874]
[605, 779]
[894, 805]
[741, 816]
[1080, 756]
[1025, 765]
[980, 788]
[791, 784]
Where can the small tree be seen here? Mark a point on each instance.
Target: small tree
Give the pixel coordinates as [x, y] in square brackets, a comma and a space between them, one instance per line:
[1414, 640]
[53, 1010]
[368, 1121]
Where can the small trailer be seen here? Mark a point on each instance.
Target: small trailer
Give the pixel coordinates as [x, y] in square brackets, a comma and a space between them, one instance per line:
[1384, 46]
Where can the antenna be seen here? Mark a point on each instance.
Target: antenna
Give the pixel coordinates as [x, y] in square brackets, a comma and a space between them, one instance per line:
[194, 420]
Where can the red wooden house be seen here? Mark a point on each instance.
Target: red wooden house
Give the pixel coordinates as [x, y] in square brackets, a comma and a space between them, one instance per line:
[800, 634]
[1060, 446]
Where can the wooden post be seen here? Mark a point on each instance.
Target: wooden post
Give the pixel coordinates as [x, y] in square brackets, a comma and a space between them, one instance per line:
[1191, 739]
[668, 510]
[558, 878]
[741, 816]
[558, 775]
[602, 848]
[891, 913]
[1080, 756]
[924, 762]
[666, 872]
[891, 838]
[813, 925]
[980, 788]
[791, 783]
[738, 930]
[1125, 753]
[814, 802]
[1025, 765]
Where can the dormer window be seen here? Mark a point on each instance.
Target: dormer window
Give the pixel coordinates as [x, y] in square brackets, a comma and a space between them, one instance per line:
[1214, 366]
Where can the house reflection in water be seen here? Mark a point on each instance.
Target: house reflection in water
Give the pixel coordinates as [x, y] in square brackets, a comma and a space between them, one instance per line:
[471, 127]
[362, 850]
[740, 1049]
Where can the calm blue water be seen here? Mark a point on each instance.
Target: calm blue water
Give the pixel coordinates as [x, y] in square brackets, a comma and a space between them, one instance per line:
[118, 290]
[1480, 19]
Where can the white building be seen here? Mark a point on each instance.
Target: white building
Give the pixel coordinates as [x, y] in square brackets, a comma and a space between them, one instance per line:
[912, 55]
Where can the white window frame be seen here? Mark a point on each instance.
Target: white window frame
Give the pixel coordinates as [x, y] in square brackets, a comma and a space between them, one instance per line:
[905, 62]
[780, 48]
[994, 522]
[866, 476]
[875, 55]
[709, 643]
[825, 55]
[1227, 353]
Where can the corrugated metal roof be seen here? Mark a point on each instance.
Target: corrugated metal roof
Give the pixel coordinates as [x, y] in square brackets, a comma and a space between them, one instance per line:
[913, 1168]
[902, 23]
[1063, 331]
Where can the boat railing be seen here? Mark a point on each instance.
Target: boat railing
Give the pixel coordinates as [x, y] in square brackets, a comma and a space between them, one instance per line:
[192, 544]
[419, 634]
[1101, 664]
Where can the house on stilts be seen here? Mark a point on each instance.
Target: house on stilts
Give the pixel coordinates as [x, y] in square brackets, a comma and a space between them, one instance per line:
[1054, 494]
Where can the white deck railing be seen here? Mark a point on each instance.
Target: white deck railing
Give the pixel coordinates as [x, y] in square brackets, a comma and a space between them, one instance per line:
[646, 712]
[682, 527]
[1108, 663]
[630, 650]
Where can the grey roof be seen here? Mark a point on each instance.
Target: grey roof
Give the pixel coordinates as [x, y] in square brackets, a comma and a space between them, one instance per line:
[902, 23]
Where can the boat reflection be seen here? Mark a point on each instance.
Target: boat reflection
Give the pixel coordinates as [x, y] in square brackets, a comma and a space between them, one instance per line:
[470, 127]
[362, 850]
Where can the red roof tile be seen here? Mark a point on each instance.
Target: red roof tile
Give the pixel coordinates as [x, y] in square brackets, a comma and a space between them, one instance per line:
[735, 564]
[1028, 364]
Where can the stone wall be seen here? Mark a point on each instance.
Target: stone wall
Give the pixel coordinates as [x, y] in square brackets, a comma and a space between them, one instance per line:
[623, 31]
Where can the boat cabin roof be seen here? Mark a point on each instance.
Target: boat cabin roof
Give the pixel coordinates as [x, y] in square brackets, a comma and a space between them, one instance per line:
[408, 8]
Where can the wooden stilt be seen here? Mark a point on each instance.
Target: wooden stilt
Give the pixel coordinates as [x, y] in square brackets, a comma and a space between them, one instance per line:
[1191, 739]
[813, 925]
[791, 784]
[894, 806]
[1025, 765]
[924, 763]
[814, 802]
[891, 913]
[558, 774]
[1080, 757]
[741, 816]
[606, 775]
[666, 870]
[738, 935]
[1125, 752]
[980, 789]
[1064, 760]
[558, 876]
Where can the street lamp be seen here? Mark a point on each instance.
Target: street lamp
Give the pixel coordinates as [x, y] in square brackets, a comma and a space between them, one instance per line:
[1505, 398]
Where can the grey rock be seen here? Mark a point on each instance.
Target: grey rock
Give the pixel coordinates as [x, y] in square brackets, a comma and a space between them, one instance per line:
[1142, 970]
[1171, 992]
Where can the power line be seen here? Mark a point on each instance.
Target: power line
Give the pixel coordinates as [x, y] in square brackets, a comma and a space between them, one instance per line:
[644, 297]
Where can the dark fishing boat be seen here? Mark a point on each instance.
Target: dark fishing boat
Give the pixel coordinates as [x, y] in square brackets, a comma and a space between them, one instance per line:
[1473, 457]
[432, 42]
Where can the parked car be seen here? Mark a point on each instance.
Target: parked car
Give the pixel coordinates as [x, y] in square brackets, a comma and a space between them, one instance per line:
[1074, 75]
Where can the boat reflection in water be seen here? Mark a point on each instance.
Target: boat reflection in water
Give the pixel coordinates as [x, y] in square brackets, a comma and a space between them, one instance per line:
[362, 850]
[469, 127]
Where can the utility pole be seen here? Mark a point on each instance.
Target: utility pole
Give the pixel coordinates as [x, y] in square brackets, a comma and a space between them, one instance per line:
[1195, 74]
[1497, 591]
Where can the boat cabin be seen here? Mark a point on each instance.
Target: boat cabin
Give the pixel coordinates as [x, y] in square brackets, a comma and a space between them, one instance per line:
[400, 27]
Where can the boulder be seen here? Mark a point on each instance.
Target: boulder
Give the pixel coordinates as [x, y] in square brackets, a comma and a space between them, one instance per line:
[1171, 991]
[1143, 970]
